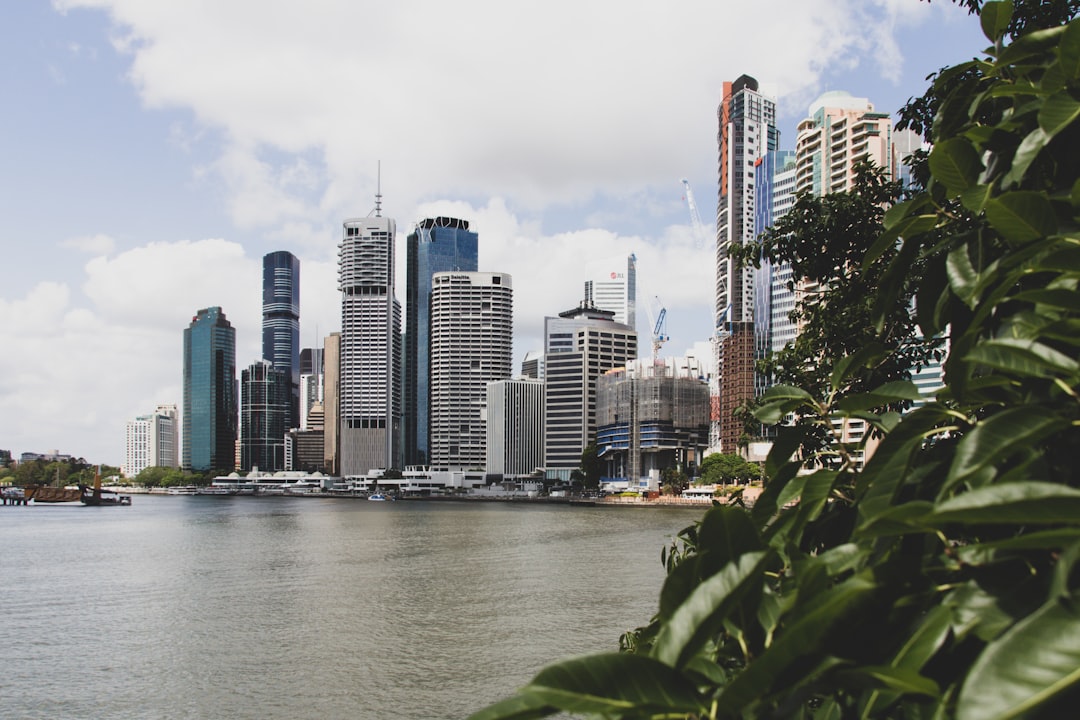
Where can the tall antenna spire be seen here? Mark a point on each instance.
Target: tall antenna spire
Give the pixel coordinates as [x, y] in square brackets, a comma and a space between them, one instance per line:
[378, 189]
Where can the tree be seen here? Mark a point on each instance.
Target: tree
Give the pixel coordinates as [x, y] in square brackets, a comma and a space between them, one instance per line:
[673, 481]
[592, 468]
[941, 580]
[726, 468]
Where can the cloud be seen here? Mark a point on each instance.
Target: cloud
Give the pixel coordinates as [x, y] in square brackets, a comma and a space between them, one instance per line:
[99, 244]
[538, 103]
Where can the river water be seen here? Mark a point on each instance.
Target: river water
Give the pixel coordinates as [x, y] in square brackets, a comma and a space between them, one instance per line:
[211, 607]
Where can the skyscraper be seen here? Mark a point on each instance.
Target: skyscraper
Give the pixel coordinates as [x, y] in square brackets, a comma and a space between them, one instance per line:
[614, 288]
[332, 403]
[747, 131]
[471, 345]
[209, 392]
[579, 346]
[264, 410]
[441, 244]
[152, 441]
[515, 426]
[370, 381]
[281, 322]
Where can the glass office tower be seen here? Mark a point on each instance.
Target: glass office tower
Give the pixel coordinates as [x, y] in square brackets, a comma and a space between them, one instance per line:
[281, 322]
[439, 244]
[209, 392]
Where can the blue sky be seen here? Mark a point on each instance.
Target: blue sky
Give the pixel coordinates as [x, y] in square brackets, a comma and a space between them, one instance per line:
[152, 152]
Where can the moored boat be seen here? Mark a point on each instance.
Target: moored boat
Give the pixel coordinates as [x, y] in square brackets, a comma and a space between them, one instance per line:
[96, 496]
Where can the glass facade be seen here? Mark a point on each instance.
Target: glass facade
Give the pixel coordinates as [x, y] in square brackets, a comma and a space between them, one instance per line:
[264, 407]
[441, 244]
[210, 395]
[281, 322]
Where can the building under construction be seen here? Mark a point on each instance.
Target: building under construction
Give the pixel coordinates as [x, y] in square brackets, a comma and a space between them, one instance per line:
[651, 416]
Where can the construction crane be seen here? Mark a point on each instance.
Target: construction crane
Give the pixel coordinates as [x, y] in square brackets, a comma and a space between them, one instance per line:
[700, 234]
[659, 334]
[703, 240]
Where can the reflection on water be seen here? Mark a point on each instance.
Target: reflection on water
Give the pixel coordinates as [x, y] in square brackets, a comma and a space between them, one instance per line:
[209, 607]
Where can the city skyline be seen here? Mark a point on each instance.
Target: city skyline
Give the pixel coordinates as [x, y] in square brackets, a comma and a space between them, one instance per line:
[143, 182]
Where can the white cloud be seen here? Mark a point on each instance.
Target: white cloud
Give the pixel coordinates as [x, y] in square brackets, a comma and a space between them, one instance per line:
[98, 244]
[538, 103]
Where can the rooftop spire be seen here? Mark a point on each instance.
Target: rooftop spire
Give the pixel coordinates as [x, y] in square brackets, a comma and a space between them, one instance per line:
[378, 189]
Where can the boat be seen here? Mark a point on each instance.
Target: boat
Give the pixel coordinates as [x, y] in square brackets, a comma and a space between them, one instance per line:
[96, 496]
[377, 497]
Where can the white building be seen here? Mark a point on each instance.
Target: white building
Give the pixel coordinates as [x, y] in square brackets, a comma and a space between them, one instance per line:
[579, 346]
[471, 346]
[152, 441]
[613, 287]
[370, 361]
[515, 426]
[747, 133]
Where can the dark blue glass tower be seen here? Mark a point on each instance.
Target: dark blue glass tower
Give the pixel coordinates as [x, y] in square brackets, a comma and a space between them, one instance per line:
[264, 406]
[281, 322]
[439, 244]
[209, 392]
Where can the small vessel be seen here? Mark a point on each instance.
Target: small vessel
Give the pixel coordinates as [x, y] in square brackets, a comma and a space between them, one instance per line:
[96, 496]
[377, 497]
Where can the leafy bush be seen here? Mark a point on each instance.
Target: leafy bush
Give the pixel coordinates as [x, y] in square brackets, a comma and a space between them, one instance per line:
[941, 579]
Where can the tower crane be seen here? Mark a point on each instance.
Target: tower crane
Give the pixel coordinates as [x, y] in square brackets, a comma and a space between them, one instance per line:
[702, 240]
[659, 334]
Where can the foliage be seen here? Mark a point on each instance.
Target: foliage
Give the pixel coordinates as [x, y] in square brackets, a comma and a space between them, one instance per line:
[941, 580]
[592, 467]
[725, 468]
[163, 477]
[673, 481]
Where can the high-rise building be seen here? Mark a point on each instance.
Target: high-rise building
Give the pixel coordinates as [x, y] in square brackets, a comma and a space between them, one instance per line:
[441, 244]
[515, 426]
[281, 322]
[472, 339]
[152, 441]
[651, 416]
[579, 345]
[210, 393]
[370, 380]
[840, 131]
[614, 288]
[532, 366]
[264, 412]
[331, 402]
[747, 131]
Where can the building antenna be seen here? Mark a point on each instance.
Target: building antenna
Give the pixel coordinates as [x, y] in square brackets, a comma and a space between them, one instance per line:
[378, 189]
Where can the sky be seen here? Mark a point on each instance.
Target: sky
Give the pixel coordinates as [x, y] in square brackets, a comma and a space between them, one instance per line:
[152, 152]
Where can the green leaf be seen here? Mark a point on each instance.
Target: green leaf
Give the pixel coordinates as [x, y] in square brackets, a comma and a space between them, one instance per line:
[1029, 149]
[1022, 358]
[702, 614]
[1068, 300]
[1069, 50]
[1035, 503]
[989, 552]
[801, 638]
[956, 163]
[1021, 216]
[612, 683]
[995, 18]
[975, 197]
[976, 612]
[524, 706]
[1057, 113]
[1029, 44]
[887, 394]
[963, 277]
[1030, 664]
[899, 680]
[996, 438]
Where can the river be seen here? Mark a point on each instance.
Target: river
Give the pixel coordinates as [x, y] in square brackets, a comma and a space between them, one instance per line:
[211, 607]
